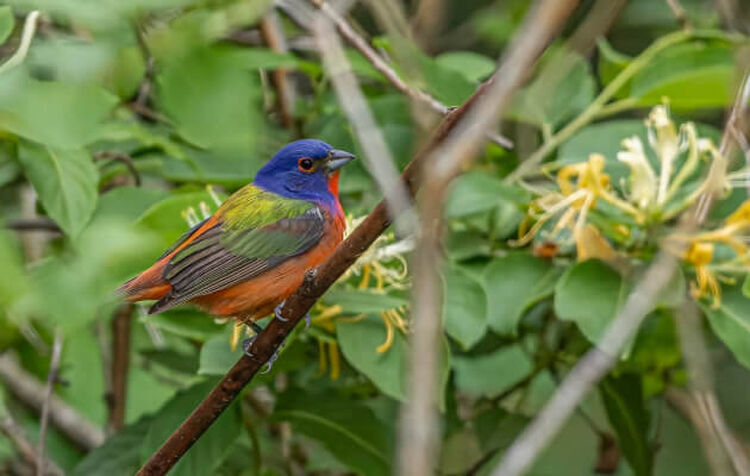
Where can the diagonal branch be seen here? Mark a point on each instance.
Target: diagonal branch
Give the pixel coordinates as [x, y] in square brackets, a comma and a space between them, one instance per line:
[296, 307]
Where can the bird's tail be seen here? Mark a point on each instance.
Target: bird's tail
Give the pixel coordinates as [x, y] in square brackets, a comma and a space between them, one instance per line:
[148, 285]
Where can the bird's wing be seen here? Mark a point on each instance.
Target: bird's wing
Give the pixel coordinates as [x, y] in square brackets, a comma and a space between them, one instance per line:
[255, 231]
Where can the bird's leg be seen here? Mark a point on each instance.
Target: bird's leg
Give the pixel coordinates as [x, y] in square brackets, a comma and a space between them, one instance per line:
[273, 358]
[247, 343]
[277, 315]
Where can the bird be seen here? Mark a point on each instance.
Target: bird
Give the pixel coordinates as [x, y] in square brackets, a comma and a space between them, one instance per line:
[246, 259]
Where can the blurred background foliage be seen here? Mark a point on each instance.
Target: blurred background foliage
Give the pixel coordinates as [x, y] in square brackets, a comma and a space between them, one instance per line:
[124, 115]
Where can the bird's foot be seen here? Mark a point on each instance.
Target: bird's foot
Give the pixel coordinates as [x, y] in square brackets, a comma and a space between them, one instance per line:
[308, 321]
[271, 361]
[277, 312]
[247, 344]
[256, 328]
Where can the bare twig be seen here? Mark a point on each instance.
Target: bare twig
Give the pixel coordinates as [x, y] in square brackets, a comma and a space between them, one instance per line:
[29, 28]
[117, 400]
[123, 158]
[33, 224]
[20, 441]
[598, 361]
[54, 366]
[601, 17]
[427, 20]
[294, 310]
[679, 13]
[359, 43]
[378, 156]
[731, 14]
[30, 391]
[418, 425]
[273, 35]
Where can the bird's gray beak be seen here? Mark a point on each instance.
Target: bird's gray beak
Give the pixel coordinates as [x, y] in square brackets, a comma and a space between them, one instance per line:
[337, 159]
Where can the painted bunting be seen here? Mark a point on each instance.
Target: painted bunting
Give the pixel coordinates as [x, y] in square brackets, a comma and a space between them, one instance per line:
[247, 258]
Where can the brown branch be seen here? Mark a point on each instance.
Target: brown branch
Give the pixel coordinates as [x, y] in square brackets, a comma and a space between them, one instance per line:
[273, 36]
[316, 283]
[120, 365]
[418, 436]
[33, 224]
[30, 391]
[52, 375]
[377, 61]
[679, 13]
[598, 21]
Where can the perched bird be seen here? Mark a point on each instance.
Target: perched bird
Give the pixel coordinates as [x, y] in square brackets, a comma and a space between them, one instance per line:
[247, 258]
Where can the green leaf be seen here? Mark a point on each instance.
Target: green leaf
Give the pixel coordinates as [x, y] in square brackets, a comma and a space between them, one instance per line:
[57, 114]
[217, 356]
[14, 282]
[362, 301]
[359, 341]
[590, 294]
[66, 182]
[489, 375]
[694, 75]
[623, 400]
[119, 455]
[473, 66]
[746, 286]
[611, 61]
[563, 88]
[225, 101]
[512, 284]
[350, 431]
[213, 446]
[731, 321]
[7, 22]
[188, 323]
[476, 192]
[464, 307]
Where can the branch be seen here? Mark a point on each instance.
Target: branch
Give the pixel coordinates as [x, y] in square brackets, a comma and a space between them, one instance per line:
[29, 390]
[599, 360]
[120, 365]
[679, 13]
[20, 441]
[378, 158]
[33, 224]
[296, 307]
[124, 159]
[418, 435]
[273, 36]
[54, 367]
[361, 45]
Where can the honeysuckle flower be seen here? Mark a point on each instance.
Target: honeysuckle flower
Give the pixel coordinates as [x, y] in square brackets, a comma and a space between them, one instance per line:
[642, 181]
[664, 140]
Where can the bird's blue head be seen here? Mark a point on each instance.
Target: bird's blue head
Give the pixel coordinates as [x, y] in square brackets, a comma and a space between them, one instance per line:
[306, 169]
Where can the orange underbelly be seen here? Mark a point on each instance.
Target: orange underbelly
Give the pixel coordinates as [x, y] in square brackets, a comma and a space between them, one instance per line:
[258, 297]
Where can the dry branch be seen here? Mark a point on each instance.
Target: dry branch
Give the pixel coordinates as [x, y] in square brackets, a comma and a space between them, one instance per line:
[30, 391]
[273, 36]
[120, 365]
[418, 426]
[54, 366]
[295, 309]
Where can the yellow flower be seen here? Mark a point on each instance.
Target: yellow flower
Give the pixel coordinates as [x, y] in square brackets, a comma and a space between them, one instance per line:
[700, 254]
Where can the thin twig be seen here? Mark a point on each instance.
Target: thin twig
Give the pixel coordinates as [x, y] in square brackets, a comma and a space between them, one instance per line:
[29, 28]
[273, 36]
[378, 156]
[598, 21]
[20, 441]
[29, 390]
[54, 366]
[33, 224]
[679, 13]
[361, 45]
[117, 400]
[124, 159]
[297, 305]
[418, 425]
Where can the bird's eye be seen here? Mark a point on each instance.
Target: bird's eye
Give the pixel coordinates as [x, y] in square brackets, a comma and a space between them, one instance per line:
[305, 164]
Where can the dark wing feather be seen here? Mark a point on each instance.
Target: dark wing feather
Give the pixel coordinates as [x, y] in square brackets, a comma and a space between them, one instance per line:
[223, 257]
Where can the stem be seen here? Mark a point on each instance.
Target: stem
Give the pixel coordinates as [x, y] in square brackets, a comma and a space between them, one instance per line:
[29, 28]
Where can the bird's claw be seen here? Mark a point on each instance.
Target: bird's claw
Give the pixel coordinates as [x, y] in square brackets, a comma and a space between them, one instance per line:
[277, 312]
[247, 344]
[271, 361]
[308, 321]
